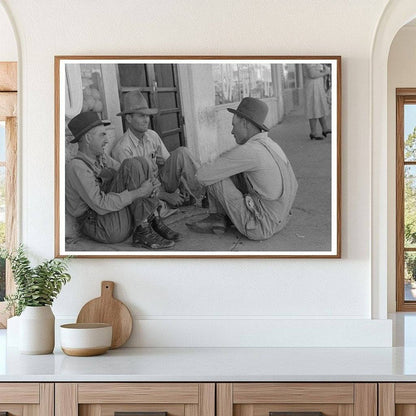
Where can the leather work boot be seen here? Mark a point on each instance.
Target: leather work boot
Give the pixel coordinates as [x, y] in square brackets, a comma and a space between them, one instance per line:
[162, 229]
[144, 236]
[214, 223]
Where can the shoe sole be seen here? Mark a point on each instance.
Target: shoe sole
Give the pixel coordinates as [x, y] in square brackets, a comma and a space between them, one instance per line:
[179, 237]
[218, 230]
[176, 239]
[215, 230]
[140, 245]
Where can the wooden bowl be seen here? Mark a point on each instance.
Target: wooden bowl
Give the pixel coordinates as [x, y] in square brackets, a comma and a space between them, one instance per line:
[84, 340]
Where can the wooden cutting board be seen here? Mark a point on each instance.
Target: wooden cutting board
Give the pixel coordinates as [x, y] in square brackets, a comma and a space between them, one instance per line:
[107, 309]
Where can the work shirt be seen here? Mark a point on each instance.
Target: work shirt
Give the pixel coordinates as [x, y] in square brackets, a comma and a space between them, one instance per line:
[253, 159]
[82, 187]
[270, 182]
[149, 146]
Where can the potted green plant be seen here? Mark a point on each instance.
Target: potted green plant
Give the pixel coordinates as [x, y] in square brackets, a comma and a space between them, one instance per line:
[36, 289]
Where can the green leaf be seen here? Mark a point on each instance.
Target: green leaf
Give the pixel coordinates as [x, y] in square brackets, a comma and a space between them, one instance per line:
[35, 286]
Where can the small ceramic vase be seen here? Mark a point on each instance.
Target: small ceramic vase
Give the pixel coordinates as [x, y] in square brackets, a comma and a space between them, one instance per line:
[37, 330]
[13, 331]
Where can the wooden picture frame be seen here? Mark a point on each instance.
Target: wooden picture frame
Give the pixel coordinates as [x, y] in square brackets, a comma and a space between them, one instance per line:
[192, 95]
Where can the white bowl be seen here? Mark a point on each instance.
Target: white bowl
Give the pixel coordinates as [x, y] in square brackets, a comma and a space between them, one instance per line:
[83, 340]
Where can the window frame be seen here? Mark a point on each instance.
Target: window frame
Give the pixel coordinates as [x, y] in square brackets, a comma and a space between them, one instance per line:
[403, 96]
[8, 110]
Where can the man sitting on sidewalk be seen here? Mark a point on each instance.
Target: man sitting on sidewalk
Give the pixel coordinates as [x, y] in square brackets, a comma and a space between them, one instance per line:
[111, 201]
[253, 183]
[172, 169]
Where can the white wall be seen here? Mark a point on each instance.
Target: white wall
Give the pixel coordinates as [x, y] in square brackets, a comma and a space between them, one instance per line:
[8, 46]
[235, 302]
[401, 74]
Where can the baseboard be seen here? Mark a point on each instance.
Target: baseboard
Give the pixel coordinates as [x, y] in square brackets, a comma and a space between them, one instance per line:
[148, 332]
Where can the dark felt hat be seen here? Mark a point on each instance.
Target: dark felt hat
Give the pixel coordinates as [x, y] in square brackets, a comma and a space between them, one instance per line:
[134, 102]
[83, 123]
[252, 109]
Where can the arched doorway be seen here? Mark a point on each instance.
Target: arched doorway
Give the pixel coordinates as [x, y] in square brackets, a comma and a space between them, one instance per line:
[396, 14]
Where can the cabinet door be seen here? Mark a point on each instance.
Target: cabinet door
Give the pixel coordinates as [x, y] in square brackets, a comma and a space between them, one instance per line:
[397, 399]
[296, 399]
[143, 399]
[26, 399]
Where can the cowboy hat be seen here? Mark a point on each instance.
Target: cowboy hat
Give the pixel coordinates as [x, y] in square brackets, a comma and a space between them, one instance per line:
[83, 123]
[253, 110]
[134, 102]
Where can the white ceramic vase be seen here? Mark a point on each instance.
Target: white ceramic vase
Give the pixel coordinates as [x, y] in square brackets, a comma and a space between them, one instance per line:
[37, 330]
[13, 331]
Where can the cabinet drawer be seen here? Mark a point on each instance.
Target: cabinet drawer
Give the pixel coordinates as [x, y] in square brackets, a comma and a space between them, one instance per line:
[138, 393]
[397, 399]
[107, 399]
[19, 393]
[142, 409]
[21, 399]
[296, 399]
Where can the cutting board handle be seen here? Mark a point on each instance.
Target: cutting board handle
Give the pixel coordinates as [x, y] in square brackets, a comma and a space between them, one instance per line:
[107, 289]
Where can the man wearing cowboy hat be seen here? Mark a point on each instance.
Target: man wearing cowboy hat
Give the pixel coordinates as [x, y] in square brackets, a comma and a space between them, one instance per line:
[111, 201]
[253, 184]
[171, 169]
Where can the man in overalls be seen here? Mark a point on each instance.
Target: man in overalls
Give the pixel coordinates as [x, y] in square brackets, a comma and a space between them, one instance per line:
[253, 184]
[111, 201]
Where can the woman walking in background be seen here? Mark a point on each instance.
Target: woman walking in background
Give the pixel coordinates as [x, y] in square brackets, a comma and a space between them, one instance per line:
[316, 102]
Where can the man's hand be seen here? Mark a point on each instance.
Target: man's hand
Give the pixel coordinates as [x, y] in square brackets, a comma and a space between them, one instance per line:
[160, 161]
[147, 188]
[156, 187]
[174, 199]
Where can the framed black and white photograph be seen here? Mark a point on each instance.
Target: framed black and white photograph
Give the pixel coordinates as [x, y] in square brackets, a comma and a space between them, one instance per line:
[198, 156]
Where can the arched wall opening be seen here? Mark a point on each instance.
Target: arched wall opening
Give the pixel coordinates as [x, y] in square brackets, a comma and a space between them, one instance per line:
[401, 73]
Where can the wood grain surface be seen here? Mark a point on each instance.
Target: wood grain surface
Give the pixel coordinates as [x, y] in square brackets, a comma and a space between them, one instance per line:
[66, 399]
[386, 399]
[27, 393]
[8, 76]
[251, 393]
[224, 399]
[365, 399]
[107, 309]
[110, 393]
[405, 393]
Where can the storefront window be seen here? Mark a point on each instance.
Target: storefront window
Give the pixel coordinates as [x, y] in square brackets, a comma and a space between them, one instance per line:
[233, 82]
[92, 87]
[290, 79]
